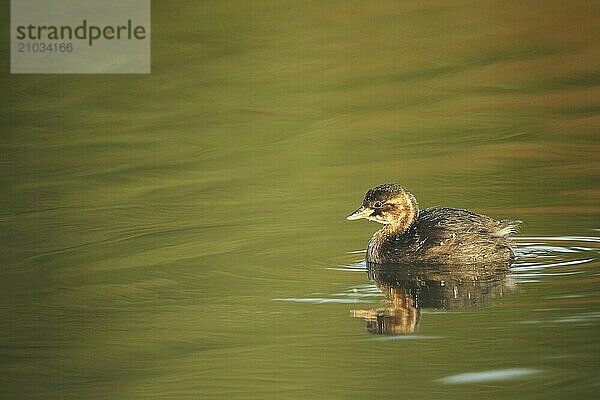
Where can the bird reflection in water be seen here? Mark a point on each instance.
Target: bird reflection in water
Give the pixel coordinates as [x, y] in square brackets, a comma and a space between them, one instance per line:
[409, 288]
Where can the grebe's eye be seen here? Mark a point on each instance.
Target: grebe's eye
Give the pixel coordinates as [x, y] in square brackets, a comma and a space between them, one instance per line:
[378, 204]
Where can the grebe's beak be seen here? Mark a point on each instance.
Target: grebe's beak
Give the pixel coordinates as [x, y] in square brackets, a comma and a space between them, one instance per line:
[362, 212]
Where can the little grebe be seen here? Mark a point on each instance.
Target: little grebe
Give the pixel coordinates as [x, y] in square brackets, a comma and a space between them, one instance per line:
[434, 235]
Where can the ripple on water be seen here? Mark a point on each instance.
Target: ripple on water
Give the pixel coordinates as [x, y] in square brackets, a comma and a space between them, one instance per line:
[538, 258]
[553, 256]
[489, 376]
[360, 266]
[321, 300]
[405, 337]
[362, 293]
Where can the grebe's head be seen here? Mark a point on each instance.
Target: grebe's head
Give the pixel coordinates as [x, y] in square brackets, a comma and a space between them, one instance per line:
[387, 204]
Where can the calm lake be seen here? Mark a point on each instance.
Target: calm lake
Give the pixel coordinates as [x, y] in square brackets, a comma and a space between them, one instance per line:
[182, 234]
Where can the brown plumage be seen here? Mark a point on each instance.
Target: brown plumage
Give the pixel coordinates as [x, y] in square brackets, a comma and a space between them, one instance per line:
[434, 235]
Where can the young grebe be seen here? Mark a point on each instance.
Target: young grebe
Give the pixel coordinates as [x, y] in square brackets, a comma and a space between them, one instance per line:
[434, 235]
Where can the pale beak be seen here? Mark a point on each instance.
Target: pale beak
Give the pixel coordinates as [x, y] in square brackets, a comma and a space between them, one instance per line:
[362, 212]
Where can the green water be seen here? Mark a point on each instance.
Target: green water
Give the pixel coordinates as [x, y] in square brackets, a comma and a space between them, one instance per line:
[181, 235]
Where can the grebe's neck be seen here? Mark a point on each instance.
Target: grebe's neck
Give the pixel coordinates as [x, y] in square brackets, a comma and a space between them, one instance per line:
[396, 228]
[405, 212]
[407, 215]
